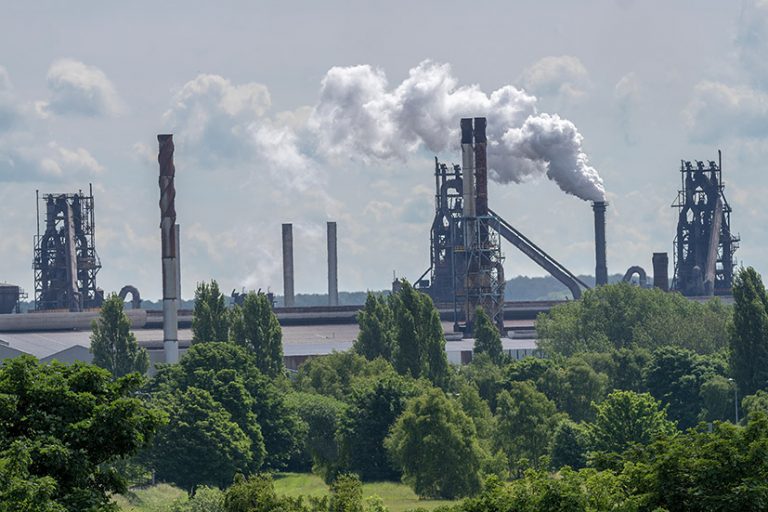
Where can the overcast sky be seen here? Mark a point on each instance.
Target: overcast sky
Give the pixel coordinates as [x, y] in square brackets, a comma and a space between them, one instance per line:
[305, 112]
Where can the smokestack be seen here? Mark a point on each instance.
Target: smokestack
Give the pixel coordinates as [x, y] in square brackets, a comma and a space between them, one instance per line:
[661, 271]
[178, 265]
[601, 268]
[333, 280]
[288, 297]
[169, 248]
[481, 168]
[468, 167]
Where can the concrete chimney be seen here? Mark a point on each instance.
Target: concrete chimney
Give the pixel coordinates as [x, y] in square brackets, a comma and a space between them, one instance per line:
[601, 267]
[333, 278]
[169, 248]
[467, 168]
[288, 297]
[661, 271]
[481, 168]
[178, 265]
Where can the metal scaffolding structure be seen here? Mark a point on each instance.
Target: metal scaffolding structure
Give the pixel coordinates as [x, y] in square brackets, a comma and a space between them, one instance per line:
[704, 245]
[65, 258]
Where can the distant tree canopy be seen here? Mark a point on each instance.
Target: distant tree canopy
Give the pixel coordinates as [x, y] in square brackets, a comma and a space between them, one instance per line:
[487, 337]
[749, 334]
[405, 329]
[60, 427]
[113, 345]
[210, 318]
[621, 315]
[255, 327]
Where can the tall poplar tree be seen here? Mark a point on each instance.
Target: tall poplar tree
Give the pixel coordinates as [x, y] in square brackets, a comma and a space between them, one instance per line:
[210, 321]
[255, 327]
[749, 333]
[113, 345]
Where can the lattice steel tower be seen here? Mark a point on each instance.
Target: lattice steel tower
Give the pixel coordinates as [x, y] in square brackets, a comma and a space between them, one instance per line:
[704, 244]
[66, 262]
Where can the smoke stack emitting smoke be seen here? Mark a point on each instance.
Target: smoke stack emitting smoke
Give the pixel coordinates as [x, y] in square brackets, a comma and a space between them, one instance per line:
[357, 114]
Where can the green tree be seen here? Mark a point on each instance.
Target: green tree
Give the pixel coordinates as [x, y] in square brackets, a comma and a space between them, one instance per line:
[229, 373]
[675, 376]
[374, 405]
[486, 376]
[487, 337]
[620, 316]
[113, 345]
[570, 445]
[210, 320]
[716, 395]
[346, 494]
[420, 340]
[201, 444]
[333, 374]
[436, 446]
[623, 420]
[255, 327]
[376, 337]
[322, 415]
[525, 419]
[205, 499]
[752, 405]
[573, 387]
[60, 428]
[749, 334]
[257, 494]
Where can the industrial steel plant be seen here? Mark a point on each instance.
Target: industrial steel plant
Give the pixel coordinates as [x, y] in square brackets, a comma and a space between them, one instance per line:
[466, 259]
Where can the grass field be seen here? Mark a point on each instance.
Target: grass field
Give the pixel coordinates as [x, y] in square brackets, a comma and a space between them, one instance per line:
[397, 497]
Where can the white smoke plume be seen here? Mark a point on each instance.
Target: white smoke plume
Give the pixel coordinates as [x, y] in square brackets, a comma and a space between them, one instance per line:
[359, 115]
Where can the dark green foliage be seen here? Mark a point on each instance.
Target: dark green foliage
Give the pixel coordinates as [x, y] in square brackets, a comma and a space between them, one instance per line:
[526, 419]
[630, 363]
[210, 319]
[60, 427]
[322, 415]
[435, 444]
[205, 499]
[231, 376]
[675, 376]
[255, 327]
[201, 445]
[623, 420]
[113, 345]
[573, 387]
[621, 315]
[570, 444]
[486, 376]
[333, 375]
[717, 399]
[374, 405]
[487, 337]
[528, 368]
[749, 334]
[376, 337]
[346, 494]
[752, 405]
[257, 494]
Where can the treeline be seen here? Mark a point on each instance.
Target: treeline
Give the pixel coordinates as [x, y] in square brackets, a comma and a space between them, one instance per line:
[631, 410]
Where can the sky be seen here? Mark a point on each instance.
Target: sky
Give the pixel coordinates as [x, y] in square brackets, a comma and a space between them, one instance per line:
[306, 112]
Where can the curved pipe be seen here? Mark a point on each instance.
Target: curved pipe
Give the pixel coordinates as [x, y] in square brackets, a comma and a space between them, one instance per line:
[135, 296]
[640, 271]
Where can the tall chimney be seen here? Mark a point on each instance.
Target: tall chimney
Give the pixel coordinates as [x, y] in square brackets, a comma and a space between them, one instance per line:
[661, 271]
[169, 248]
[177, 232]
[333, 280]
[481, 168]
[468, 167]
[288, 298]
[601, 268]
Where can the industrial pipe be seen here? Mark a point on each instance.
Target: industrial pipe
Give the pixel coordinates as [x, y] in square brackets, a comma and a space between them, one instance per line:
[288, 294]
[169, 248]
[601, 267]
[468, 168]
[333, 280]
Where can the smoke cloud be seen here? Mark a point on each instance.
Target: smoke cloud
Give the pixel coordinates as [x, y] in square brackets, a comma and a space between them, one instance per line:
[358, 115]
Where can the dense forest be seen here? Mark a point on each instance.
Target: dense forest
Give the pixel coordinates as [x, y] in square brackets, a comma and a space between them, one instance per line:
[644, 401]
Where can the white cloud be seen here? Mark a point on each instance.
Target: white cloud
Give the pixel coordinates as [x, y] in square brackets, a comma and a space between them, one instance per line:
[79, 89]
[22, 159]
[752, 40]
[10, 111]
[718, 110]
[564, 75]
[626, 94]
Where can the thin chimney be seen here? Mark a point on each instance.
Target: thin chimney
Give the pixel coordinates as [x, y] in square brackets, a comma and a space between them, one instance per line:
[169, 248]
